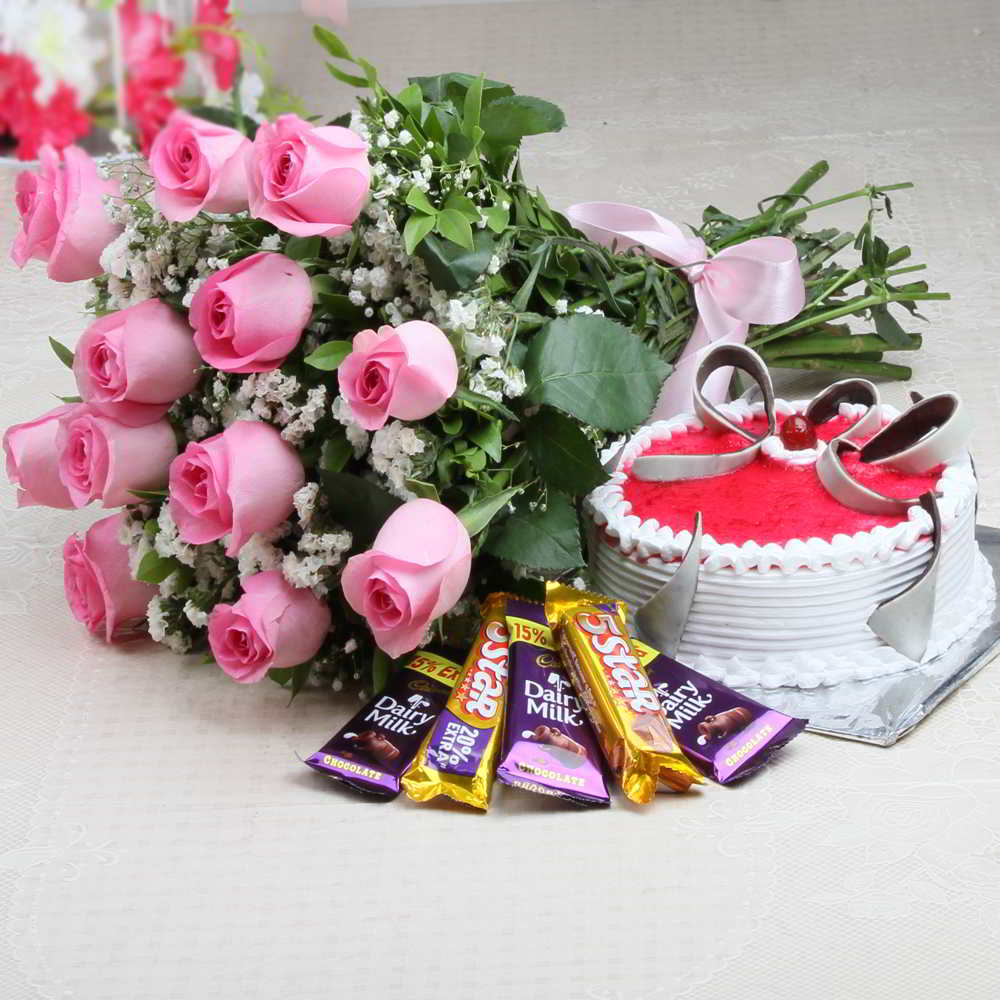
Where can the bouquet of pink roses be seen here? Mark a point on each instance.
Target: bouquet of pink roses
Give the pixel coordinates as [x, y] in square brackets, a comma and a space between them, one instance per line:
[344, 378]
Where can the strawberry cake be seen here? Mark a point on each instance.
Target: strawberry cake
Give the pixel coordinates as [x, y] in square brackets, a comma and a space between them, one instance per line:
[788, 575]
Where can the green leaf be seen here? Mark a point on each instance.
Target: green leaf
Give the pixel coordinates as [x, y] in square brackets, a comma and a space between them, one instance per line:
[411, 98]
[331, 43]
[340, 306]
[224, 116]
[335, 453]
[70, 399]
[371, 74]
[149, 494]
[454, 226]
[888, 328]
[358, 504]
[472, 107]
[303, 247]
[440, 88]
[497, 218]
[595, 370]
[416, 229]
[348, 78]
[418, 199]
[477, 515]
[426, 491]
[327, 357]
[546, 540]
[508, 119]
[63, 353]
[461, 203]
[381, 668]
[563, 455]
[452, 268]
[478, 401]
[489, 438]
[153, 568]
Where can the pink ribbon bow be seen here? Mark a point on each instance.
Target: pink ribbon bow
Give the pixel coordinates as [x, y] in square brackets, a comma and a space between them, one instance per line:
[758, 281]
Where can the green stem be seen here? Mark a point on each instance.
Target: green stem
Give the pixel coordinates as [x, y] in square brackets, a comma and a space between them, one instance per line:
[822, 343]
[876, 369]
[847, 309]
[795, 215]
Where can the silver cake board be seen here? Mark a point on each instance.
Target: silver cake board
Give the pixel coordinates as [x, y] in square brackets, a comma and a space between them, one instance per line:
[885, 709]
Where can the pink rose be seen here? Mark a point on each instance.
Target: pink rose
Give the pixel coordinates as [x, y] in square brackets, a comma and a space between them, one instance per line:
[272, 625]
[238, 482]
[415, 571]
[63, 218]
[405, 372]
[224, 50]
[33, 460]
[133, 364]
[249, 317]
[102, 459]
[198, 167]
[99, 586]
[308, 180]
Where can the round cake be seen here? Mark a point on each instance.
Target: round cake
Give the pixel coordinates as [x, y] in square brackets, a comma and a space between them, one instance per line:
[788, 576]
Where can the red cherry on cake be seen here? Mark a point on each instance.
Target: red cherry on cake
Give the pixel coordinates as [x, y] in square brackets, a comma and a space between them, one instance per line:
[797, 433]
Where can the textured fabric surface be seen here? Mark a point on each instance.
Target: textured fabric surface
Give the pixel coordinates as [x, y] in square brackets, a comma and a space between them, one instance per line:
[159, 838]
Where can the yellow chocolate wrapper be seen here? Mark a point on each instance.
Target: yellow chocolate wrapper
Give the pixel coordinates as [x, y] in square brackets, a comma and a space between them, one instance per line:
[458, 757]
[612, 684]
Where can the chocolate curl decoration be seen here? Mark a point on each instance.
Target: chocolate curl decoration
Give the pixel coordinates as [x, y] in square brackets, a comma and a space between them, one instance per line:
[826, 406]
[933, 430]
[904, 621]
[759, 281]
[670, 468]
[663, 618]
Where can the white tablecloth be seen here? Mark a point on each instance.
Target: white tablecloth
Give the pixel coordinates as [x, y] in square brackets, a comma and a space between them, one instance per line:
[159, 838]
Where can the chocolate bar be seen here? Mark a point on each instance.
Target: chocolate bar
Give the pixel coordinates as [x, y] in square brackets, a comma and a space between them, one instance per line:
[458, 758]
[373, 750]
[725, 734]
[549, 746]
[616, 693]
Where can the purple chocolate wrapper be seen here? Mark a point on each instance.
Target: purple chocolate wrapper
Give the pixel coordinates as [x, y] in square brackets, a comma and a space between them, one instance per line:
[375, 748]
[549, 746]
[724, 734]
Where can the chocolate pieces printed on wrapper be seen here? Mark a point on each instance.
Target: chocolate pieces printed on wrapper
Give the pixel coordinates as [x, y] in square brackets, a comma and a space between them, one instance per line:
[549, 746]
[726, 735]
[616, 693]
[458, 758]
[374, 749]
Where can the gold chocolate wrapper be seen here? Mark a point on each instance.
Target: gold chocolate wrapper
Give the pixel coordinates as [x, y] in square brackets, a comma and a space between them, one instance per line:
[467, 735]
[613, 686]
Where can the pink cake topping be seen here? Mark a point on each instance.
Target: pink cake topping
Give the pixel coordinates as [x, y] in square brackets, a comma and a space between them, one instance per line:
[767, 500]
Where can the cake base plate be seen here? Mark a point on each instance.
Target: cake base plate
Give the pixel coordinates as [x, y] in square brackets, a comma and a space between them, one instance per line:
[885, 709]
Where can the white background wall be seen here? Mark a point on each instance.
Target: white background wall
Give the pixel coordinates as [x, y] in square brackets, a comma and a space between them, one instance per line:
[258, 6]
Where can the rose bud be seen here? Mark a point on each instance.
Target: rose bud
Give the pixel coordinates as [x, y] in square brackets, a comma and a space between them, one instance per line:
[272, 625]
[406, 372]
[414, 572]
[238, 482]
[33, 460]
[308, 180]
[99, 586]
[63, 217]
[198, 166]
[102, 459]
[250, 317]
[133, 364]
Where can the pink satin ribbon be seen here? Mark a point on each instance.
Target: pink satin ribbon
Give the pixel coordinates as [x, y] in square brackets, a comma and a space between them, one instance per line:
[758, 281]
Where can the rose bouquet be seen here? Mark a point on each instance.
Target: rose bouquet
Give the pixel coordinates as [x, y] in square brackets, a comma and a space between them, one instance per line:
[346, 377]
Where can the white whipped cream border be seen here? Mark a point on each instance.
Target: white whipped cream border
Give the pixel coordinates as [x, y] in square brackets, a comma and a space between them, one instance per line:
[648, 539]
